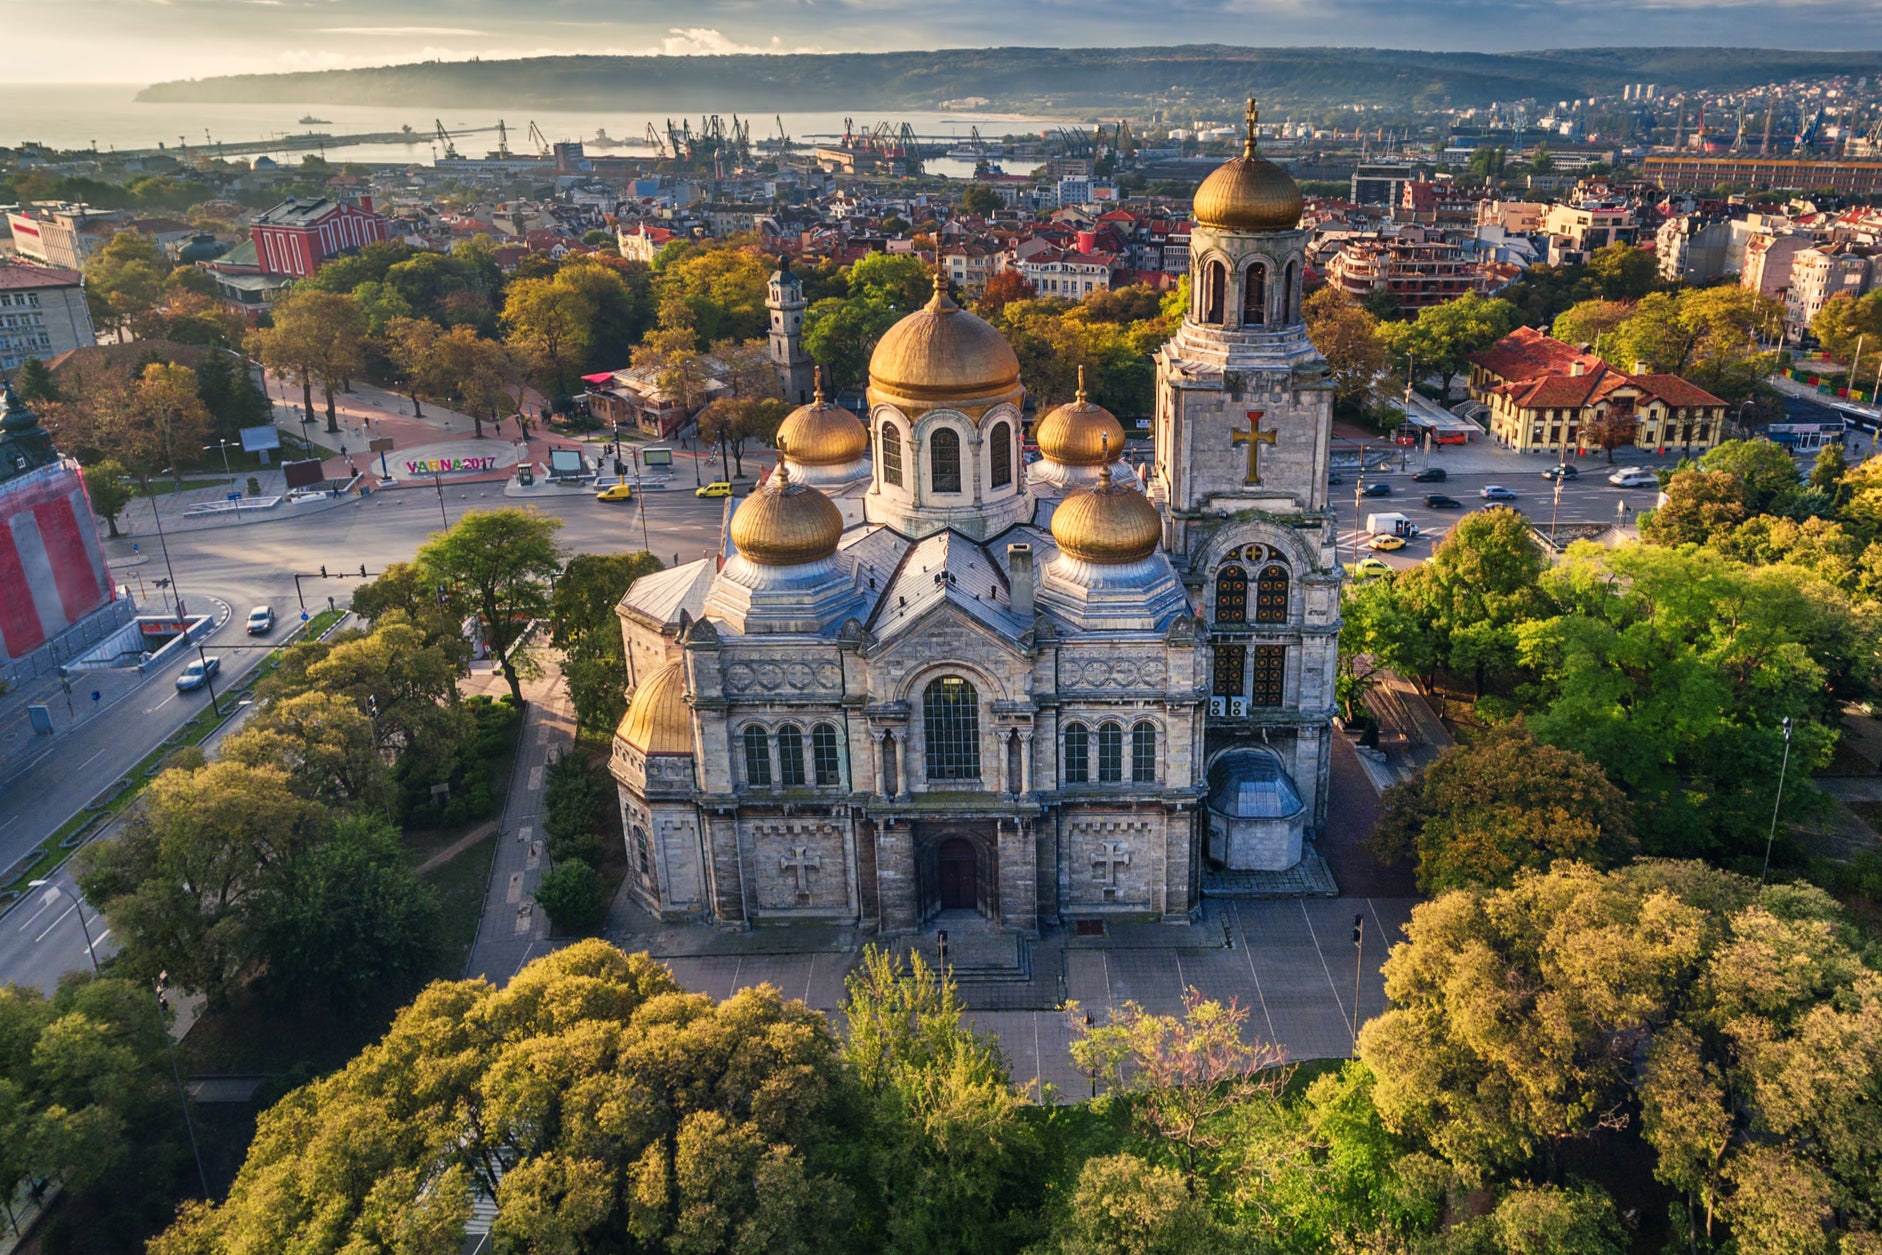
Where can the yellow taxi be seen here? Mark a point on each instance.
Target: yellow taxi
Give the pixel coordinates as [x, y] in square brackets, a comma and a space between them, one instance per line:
[718, 488]
[1387, 541]
[1367, 569]
[619, 492]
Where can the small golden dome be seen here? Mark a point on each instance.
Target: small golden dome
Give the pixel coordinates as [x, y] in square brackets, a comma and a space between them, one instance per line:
[1108, 524]
[1079, 434]
[821, 434]
[658, 720]
[786, 523]
[942, 354]
[1250, 193]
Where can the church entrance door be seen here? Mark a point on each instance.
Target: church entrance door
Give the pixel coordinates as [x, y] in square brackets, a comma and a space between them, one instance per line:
[958, 879]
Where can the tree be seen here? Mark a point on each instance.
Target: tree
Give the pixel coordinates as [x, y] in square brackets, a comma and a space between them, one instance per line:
[1003, 287]
[1705, 335]
[407, 674]
[1126, 1206]
[1611, 430]
[841, 334]
[1764, 470]
[1826, 473]
[574, 896]
[723, 288]
[902, 282]
[671, 355]
[1488, 809]
[347, 922]
[1347, 336]
[1586, 322]
[980, 199]
[105, 485]
[178, 885]
[549, 325]
[323, 741]
[733, 422]
[599, 1105]
[1846, 321]
[1442, 338]
[1625, 273]
[584, 627]
[316, 335]
[412, 344]
[124, 281]
[1700, 507]
[498, 564]
[1182, 1071]
[35, 382]
[165, 397]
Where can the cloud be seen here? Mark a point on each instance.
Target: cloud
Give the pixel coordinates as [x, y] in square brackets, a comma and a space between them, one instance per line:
[400, 30]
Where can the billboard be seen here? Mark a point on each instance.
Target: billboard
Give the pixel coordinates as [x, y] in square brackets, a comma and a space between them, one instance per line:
[255, 439]
[565, 462]
[303, 474]
[656, 455]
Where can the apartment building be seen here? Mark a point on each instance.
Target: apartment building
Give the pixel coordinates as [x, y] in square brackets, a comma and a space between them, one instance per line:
[42, 314]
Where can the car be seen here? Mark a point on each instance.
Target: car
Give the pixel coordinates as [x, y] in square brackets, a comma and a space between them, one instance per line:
[1495, 492]
[1634, 477]
[1334, 477]
[619, 492]
[1376, 489]
[1438, 501]
[1368, 568]
[197, 674]
[1430, 475]
[1386, 541]
[1562, 471]
[718, 488]
[261, 620]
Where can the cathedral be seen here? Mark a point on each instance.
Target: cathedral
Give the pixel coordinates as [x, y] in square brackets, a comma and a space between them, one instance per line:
[928, 677]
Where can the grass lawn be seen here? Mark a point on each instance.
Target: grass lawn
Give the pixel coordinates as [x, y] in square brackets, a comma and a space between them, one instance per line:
[161, 487]
[461, 884]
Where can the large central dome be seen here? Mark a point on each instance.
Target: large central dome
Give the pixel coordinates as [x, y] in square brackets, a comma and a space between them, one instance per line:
[1249, 194]
[942, 355]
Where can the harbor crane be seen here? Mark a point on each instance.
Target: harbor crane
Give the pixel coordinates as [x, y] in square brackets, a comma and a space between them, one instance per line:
[444, 141]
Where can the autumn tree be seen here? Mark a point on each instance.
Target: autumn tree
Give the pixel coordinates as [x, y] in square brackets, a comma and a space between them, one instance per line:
[316, 336]
[1503, 802]
[1002, 287]
[1846, 322]
[124, 281]
[166, 399]
[1699, 506]
[548, 324]
[323, 741]
[1348, 337]
[1586, 322]
[412, 344]
[498, 564]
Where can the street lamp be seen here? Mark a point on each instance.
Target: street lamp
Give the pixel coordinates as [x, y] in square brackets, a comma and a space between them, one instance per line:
[437, 481]
[1359, 484]
[1783, 767]
[1094, 1066]
[78, 905]
[163, 1022]
[941, 938]
[156, 517]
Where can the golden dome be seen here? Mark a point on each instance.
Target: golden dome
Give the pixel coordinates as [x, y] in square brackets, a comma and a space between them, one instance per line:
[943, 355]
[658, 720]
[1250, 193]
[821, 434]
[1108, 524]
[1079, 434]
[785, 523]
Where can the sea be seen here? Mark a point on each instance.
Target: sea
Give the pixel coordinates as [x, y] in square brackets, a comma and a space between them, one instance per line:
[109, 117]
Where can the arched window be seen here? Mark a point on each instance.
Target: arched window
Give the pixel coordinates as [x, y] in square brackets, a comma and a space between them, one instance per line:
[944, 460]
[1144, 753]
[1215, 288]
[950, 720]
[891, 454]
[1110, 753]
[826, 760]
[1255, 296]
[1231, 595]
[1077, 754]
[1290, 293]
[757, 758]
[1271, 595]
[1000, 457]
[790, 757]
[1014, 770]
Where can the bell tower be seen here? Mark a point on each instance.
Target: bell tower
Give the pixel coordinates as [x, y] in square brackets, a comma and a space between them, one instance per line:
[784, 298]
[1243, 423]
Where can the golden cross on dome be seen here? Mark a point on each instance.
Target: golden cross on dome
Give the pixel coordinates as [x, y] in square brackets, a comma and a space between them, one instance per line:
[1254, 116]
[1254, 438]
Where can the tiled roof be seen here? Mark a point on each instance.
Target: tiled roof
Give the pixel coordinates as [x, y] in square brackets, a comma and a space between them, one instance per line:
[1525, 353]
[946, 568]
[16, 275]
[1676, 391]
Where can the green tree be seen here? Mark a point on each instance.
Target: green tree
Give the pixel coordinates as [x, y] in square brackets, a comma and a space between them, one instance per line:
[316, 335]
[179, 883]
[1442, 338]
[978, 198]
[842, 333]
[583, 625]
[1126, 1206]
[412, 344]
[574, 896]
[346, 922]
[323, 741]
[498, 564]
[1846, 321]
[549, 325]
[1764, 469]
[35, 382]
[1485, 810]
[733, 422]
[407, 675]
[124, 281]
[105, 485]
[1625, 273]
[1700, 507]
[1586, 322]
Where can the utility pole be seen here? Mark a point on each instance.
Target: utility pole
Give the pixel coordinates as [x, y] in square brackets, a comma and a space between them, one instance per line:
[1359, 484]
[640, 498]
[437, 481]
[189, 1122]
[1359, 968]
[176, 593]
[1782, 768]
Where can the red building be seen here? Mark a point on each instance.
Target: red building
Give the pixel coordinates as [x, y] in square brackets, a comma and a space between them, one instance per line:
[295, 236]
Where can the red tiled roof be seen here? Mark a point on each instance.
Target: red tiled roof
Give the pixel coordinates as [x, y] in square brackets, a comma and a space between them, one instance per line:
[1526, 353]
[16, 275]
[1676, 391]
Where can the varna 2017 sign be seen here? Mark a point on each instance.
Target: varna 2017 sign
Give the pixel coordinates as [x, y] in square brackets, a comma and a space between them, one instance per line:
[434, 466]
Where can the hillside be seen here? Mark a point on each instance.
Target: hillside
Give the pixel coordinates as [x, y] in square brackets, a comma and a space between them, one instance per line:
[1067, 80]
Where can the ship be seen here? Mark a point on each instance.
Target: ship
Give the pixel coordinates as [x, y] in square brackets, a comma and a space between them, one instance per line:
[311, 120]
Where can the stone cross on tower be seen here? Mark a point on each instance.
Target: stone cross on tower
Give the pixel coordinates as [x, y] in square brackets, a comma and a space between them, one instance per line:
[1112, 857]
[801, 863]
[1254, 438]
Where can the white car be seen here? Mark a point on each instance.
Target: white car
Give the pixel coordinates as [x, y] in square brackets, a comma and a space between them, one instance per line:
[1634, 477]
[261, 621]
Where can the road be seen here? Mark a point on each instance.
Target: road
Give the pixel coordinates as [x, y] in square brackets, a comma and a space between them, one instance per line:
[253, 563]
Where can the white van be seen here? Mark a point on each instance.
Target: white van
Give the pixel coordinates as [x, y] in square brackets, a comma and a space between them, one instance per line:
[1634, 477]
[1391, 525]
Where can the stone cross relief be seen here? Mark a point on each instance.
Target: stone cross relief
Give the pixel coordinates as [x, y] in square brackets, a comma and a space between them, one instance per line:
[801, 863]
[1112, 858]
[1254, 438]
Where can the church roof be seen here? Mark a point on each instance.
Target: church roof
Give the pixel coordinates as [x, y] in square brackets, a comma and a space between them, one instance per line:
[663, 595]
[949, 568]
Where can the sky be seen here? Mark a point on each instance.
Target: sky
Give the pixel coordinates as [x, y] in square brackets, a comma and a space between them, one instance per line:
[143, 41]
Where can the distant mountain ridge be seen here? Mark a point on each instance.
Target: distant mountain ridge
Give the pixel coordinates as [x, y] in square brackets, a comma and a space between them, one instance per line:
[1056, 80]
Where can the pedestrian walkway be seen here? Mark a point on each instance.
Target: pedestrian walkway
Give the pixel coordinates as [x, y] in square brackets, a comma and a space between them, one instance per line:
[514, 929]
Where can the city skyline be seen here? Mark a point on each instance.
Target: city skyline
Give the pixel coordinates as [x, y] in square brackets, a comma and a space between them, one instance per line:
[143, 41]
